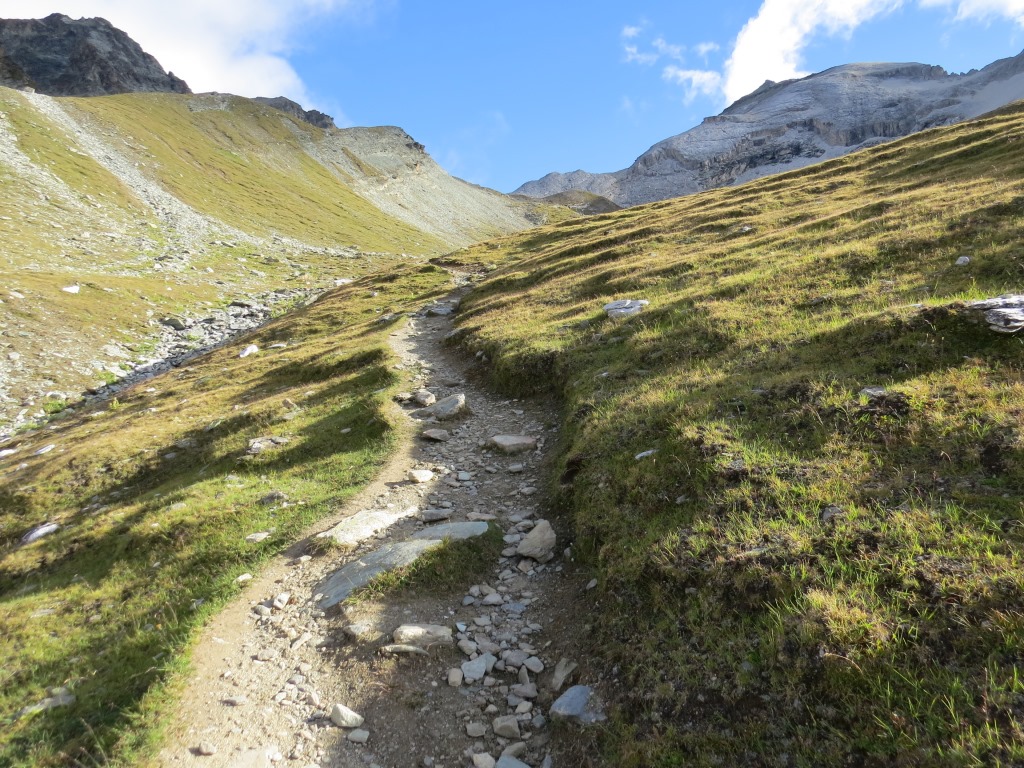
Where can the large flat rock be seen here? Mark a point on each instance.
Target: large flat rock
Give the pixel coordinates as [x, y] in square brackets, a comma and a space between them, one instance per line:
[362, 525]
[453, 531]
[351, 576]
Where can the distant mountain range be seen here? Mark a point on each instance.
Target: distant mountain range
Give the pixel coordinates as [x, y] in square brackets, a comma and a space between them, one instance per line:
[787, 125]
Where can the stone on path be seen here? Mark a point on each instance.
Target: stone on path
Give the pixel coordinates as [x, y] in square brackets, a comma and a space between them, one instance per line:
[453, 531]
[343, 717]
[506, 726]
[350, 577]
[444, 409]
[507, 761]
[358, 736]
[420, 475]
[483, 760]
[437, 435]
[435, 515]
[455, 677]
[475, 730]
[578, 705]
[252, 349]
[539, 543]
[563, 671]
[361, 526]
[477, 668]
[206, 749]
[423, 635]
[423, 397]
[358, 573]
[513, 443]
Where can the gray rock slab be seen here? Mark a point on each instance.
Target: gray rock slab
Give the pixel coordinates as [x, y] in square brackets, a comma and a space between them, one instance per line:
[578, 705]
[362, 525]
[507, 761]
[453, 531]
[513, 443]
[444, 409]
[358, 573]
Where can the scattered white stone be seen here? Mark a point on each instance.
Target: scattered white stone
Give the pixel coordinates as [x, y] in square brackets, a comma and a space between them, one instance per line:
[625, 307]
[645, 454]
[205, 748]
[475, 730]
[455, 677]
[45, 449]
[252, 349]
[963, 261]
[343, 717]
[71, 289]
[423, 635]
[483, 760]
[243, 578]
[420, 475]
[39, 532]
[282, 600]
[256, 538]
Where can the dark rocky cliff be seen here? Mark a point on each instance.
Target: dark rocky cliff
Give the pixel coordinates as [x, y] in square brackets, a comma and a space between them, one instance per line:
[61, 56]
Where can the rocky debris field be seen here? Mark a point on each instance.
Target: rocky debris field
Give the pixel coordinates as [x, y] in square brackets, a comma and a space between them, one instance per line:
[297, 673]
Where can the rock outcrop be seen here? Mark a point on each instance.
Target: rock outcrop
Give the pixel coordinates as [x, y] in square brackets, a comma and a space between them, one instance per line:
[311, 116]
[784, 126]
[60, 56]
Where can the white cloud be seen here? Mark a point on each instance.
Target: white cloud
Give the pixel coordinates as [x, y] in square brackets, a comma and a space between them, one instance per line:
[983, 10]
[770, 45]
[703, 49]
[634, 56]
[666, 49]
[696, 82]
[232, 46]
[629, 31]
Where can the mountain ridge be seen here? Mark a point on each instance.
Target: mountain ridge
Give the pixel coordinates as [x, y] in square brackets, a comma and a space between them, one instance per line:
[790, 124]
[61, 56]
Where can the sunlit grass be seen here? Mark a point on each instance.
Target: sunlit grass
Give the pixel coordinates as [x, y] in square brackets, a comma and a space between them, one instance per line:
[801, 574]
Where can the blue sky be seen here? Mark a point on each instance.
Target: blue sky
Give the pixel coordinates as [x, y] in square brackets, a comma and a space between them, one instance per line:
[502, 93]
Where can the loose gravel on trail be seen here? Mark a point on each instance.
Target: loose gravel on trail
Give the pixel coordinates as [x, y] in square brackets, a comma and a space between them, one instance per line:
[287, 675]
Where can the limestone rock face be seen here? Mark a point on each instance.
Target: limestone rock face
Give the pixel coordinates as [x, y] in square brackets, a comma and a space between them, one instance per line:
[60, 56]
[784, 126]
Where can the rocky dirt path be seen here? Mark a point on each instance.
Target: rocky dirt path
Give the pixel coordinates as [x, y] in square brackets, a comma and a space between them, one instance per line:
[289, 675]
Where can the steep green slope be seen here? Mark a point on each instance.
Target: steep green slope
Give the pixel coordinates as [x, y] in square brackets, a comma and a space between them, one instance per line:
[156, 493]
[241, 163]
[797, 570]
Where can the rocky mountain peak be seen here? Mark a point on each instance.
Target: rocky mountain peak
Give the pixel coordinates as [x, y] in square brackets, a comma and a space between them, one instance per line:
[789, 124]
[311, 116]
[61, 56]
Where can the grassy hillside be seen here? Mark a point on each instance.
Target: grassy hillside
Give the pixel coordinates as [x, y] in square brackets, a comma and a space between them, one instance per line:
[795, 571]
[160, 204]
[156, 493]
[243, 165]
